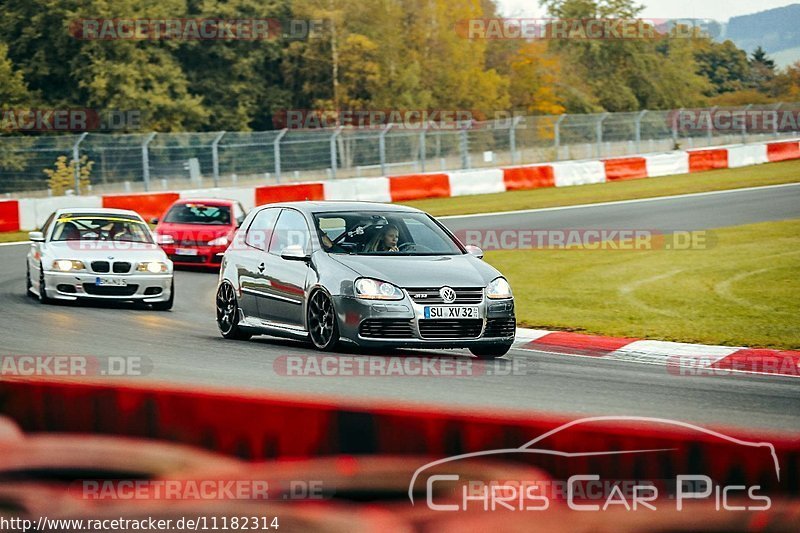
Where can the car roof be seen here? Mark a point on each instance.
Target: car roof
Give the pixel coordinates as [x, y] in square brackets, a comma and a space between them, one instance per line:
[310, 207]
[97, 211]
[210, 201]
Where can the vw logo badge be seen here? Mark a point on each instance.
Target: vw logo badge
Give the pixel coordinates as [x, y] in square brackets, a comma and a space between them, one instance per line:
[448, 295]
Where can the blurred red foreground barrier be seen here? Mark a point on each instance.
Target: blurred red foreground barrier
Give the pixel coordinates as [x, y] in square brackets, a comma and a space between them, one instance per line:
[259, 426]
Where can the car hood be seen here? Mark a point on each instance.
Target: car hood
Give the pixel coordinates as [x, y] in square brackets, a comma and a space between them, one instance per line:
[422, 271]
[105, 251]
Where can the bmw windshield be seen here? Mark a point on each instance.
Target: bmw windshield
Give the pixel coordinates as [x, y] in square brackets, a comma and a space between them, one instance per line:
[373, 233]
[90, 227]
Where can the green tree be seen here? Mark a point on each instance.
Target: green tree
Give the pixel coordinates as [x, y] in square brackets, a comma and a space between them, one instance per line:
[724, 65]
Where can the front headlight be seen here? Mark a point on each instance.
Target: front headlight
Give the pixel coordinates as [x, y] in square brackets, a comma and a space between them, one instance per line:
[499, 289]
[154, 267]
[373, 289]
[221, 241]
[68, 265]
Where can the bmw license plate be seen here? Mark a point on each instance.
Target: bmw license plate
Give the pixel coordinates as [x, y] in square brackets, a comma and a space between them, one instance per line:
[185, 251]
[113, 282]
[451, 312]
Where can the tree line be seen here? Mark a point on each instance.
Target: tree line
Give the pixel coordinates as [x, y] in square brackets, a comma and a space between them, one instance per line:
[368, 54]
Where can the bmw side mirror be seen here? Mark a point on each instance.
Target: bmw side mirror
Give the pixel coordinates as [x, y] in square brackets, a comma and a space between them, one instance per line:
[165, 239]
[294, 252]
[474, 250]
[36, 236]
[154, 220]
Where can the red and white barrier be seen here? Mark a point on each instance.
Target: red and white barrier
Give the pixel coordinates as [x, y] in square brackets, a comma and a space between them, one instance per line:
[28, 214]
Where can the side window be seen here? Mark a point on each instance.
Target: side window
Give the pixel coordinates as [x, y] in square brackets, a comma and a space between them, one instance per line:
[260, 230]
[290, 229]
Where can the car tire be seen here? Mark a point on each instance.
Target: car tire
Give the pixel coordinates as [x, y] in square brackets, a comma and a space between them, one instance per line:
[323, 327]
[42, 292]
[166, 306]
[492, 351]
[28, 285]
[228, 313]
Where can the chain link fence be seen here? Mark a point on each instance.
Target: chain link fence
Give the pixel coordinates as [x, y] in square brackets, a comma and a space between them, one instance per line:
[167, 161]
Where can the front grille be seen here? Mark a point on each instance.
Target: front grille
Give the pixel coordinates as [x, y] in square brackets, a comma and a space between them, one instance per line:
[189, 242]
[109, 290]
[386, 328]
[121, 267]
[450, 329]
[429, 295]
[187, 258]
[101, 266]
[500, 327]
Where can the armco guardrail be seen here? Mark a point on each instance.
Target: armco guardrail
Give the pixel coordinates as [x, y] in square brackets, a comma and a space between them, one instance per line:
[263, 426]
[28, 214]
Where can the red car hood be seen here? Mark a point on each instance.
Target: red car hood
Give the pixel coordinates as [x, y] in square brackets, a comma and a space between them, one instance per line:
[199, 233]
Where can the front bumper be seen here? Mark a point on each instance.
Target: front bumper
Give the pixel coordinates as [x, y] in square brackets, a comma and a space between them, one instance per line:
[408, 328]
[149, 288]
[205, 255]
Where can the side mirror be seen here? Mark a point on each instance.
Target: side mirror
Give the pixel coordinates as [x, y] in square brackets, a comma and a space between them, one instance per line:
[165, 239]
[154, 220]
[36, 236]
[474, 250]
[294, 252]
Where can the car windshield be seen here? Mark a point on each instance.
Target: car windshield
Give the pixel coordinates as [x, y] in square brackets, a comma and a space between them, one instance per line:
[199, 214]
[374, 233]
[90, 227]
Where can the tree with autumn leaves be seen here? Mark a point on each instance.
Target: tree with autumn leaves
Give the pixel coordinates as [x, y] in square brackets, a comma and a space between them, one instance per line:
[367, 55]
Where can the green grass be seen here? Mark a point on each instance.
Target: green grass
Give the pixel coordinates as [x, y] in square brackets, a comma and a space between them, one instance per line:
[742, 291]
[12, 236]
[714, 180]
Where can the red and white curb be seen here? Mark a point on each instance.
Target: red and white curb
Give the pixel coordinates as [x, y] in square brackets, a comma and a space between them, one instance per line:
[678, 358]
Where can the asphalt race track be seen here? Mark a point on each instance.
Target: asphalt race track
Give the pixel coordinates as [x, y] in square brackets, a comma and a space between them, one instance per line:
[184, 345]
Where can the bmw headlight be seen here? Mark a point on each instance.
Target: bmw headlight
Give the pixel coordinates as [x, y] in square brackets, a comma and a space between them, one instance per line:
[221, 241]
[373, 289]
[499, 289]
[153, 267]
[68, 265]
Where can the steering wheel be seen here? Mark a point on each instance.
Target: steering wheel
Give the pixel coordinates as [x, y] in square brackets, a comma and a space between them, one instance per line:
[413, 247]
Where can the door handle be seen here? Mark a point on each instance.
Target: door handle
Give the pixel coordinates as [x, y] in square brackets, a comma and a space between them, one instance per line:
[261, 267]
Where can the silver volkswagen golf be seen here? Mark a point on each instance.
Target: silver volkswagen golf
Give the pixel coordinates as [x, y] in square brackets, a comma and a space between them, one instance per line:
[368, 274]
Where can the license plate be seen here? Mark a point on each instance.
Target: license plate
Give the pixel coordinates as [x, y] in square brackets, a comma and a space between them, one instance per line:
[451, 312]
[185, 251]
[114, 282]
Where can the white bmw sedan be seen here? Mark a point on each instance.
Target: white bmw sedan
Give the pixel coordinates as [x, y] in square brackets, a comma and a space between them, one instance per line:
[98, 254]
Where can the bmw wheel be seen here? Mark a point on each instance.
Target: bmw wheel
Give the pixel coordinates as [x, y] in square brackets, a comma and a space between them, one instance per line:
[166, 306]
[322, 325]
[228, 313]
[42, 290]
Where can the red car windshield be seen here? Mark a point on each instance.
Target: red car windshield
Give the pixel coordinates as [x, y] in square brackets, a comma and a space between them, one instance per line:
[199, 214]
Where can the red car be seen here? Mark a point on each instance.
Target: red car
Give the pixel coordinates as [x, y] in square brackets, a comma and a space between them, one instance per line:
[200, 230]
